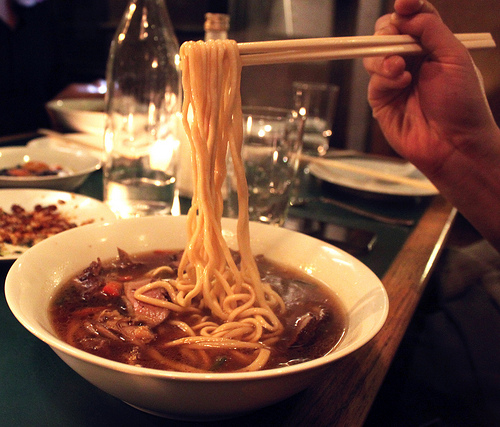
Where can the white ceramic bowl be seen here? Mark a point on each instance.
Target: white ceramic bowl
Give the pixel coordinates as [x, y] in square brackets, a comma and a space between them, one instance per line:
[79, 114]
[34, 277]
[78, 165]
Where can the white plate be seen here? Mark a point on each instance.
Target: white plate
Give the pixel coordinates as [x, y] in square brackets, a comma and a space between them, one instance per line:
[77, 142]
[79, 114]
[77, 165]
[363, 183]
[77, 208]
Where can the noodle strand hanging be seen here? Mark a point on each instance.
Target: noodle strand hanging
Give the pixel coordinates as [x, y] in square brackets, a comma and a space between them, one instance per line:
[208, 277]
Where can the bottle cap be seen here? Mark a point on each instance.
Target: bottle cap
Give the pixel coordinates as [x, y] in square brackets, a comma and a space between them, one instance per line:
[216, 22]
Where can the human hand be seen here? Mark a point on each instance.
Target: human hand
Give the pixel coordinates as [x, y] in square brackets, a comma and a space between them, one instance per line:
[432, 109]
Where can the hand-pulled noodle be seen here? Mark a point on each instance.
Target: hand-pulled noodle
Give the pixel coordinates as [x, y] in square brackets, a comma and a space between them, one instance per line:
[244, 307]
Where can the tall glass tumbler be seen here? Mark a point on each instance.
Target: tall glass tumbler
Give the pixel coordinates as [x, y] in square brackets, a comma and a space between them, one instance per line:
[317, 102]
[271, 149]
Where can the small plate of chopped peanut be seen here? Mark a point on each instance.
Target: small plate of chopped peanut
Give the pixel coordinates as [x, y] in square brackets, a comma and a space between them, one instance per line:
[28, 167]
[28, 216]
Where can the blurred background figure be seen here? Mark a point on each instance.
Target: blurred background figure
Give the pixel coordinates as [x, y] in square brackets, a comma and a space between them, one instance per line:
[30, 66]
[49, 49]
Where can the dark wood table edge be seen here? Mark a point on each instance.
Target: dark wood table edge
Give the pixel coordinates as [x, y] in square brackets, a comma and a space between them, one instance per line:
[347, 391]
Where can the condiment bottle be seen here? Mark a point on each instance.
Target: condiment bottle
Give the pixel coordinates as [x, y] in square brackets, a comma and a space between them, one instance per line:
[143, 100]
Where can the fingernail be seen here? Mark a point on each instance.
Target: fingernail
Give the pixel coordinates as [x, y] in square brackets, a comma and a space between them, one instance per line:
[395, 18]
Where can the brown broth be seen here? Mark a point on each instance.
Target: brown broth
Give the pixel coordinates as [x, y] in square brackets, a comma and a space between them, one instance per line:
[76, 303]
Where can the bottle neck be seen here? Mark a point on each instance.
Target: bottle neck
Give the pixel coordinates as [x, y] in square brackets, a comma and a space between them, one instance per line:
[216, 26]
[215, 35]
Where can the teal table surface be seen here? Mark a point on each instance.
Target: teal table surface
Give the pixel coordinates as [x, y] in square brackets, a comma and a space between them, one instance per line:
[38, 389]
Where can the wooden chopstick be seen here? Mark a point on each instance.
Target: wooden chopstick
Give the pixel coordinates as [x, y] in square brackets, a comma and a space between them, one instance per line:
[341, 42]
[330, 48]
[372, 173]
[68, 139]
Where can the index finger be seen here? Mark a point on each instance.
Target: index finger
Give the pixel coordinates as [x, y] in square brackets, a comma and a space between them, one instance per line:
[384, 26]
[412, 7]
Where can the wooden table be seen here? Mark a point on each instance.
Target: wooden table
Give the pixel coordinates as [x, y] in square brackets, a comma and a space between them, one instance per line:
[37, 388]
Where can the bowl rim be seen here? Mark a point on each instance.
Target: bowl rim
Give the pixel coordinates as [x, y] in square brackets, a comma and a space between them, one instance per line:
[58, 344]
[94, 163]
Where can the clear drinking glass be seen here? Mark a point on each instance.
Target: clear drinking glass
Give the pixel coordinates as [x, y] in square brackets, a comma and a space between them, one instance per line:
[317, 102]
[270, 152]
[142, 102]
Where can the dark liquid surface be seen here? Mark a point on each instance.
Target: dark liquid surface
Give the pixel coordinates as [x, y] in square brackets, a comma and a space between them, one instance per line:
[87, 317]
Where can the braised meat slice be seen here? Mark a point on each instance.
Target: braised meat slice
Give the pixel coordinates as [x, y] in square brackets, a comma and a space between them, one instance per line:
[308, 325]
[148, 314]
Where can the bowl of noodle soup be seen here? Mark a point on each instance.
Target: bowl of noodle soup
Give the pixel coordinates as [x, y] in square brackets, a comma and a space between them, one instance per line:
[36, 276]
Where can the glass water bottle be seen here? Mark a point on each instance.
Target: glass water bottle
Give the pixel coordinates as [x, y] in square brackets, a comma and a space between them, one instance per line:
[142, 102]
